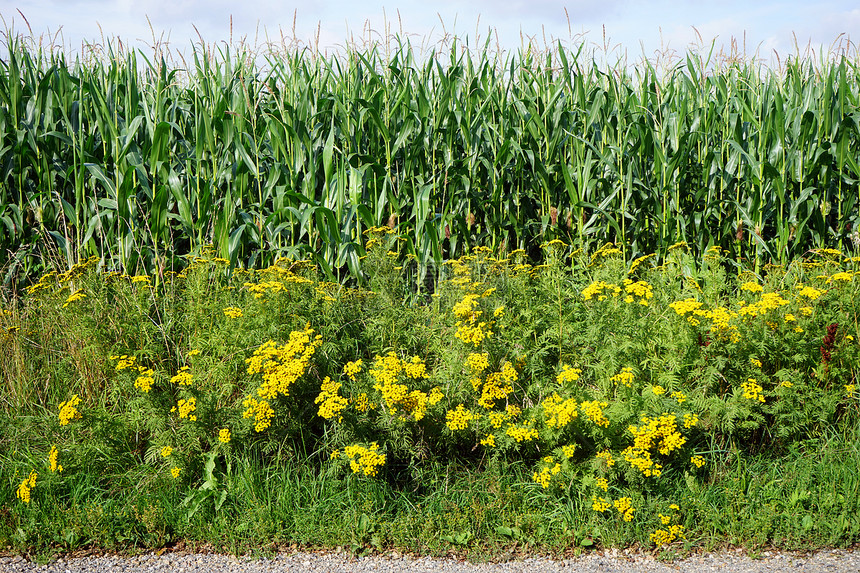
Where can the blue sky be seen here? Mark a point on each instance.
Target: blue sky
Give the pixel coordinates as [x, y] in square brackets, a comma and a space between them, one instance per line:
[631, 27]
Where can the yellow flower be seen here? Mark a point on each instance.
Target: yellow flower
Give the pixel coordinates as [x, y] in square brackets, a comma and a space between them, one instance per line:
[568, 374]
[606, 456]
[352, 368]
[752, 390]
[145, 380]
[459, 418]
[52, 460]
[365, 460]
[166, 451]
[183, 377]
[23, 492]
[224, 435]
[186, 407]
[602, 483]
[69, 411]
[175, 472]
[658, 390]
[233, 312]
[624, 377]
[624, 507]
[594, 411]
[849, 389]
[600, 504]
[697, 461]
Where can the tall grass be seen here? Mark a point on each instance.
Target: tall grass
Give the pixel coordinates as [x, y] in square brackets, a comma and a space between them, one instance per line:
[138, 160]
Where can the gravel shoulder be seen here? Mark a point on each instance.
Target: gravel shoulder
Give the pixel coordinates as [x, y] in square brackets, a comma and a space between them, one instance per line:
[611, 561]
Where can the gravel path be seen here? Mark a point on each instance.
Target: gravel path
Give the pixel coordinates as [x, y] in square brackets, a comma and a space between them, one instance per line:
[830, 561]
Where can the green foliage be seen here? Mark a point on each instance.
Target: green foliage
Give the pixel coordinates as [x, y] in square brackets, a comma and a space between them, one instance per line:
[615, 394]
[138, 161]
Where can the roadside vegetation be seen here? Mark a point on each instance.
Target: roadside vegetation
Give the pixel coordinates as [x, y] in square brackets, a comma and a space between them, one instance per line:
[584, 401]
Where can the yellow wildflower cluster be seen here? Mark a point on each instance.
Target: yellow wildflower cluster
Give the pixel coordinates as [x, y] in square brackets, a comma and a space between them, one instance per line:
[352, 368]
[850, 389]
[752, 390]
[466, 307]
[524, 433]
[224, 435]
[658, 433]
[69, 410]
[166, 451]
[415, 368]
[606, 250]
[477, 363]
[331, 403]
[497, 385]
[691, 307]
[568, 450]
[665, 536]
[568, 374]
[362, 404]
[284, 277]
[679, 396]
[658, 390]
[558, 412]
[635, 264]
[473, 332]
[606, 456]
[233, 312]
[74, 297]
[52, 460]
[187, 407]
[458, 418]
[261, 411]
[183, 377]
[23, 492]
[841, 276]
[124, 361]
[697, 461]
[624, 505]
[145, 379]
[281, 366]
[600, 504]
[365, 460]
[625, 377]
[470, 329]
[809, 292]
[175, 472]
[641, 289]
[594, 411]
[602, 483]
[396, 396]
[596, 289]
[752, 287]
[690, 420]
[769, 301]
[545, 475]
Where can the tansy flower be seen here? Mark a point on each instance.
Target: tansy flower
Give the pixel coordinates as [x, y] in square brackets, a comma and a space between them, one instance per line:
[52, 460]
[224, 435]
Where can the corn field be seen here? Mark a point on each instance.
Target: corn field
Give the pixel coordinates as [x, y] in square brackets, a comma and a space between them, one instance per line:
[140, 161]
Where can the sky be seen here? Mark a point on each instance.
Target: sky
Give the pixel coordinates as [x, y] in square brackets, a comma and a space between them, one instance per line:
[621, 28]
